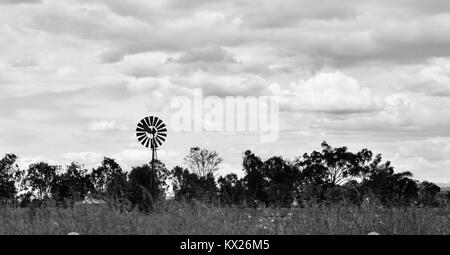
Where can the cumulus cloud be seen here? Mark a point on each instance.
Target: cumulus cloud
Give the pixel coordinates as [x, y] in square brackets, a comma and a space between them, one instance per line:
[104, 125]
[331, 32]
[371, 69]
[331, 92]
[132, 157]
[20, 1]
[432, 149]
[436, 77]
[85, 157]
[149, 84]
[210, 54]
[25, 162]
[226, 85]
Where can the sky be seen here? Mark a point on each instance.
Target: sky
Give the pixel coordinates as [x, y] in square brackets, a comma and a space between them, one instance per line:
[77, 76]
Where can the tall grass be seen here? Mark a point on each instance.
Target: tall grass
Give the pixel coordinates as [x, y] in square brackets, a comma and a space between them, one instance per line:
[184, 218]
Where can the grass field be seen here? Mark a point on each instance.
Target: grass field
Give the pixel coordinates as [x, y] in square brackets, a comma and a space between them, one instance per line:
[179, 218]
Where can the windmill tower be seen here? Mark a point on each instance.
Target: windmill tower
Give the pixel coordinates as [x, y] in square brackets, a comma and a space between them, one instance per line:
[151, 132]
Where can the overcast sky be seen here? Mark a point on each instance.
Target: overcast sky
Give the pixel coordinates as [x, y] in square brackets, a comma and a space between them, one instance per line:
[76, 76]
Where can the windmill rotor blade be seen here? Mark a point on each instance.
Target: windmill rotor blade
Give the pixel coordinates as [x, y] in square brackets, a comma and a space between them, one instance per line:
[142, 139]
[152, 120]
[147, 121]
[158, 122]
[161, 126]
[147, 140]
[158, 140]
[162, 134]
[151, 125]
[139, 135]
[161, 138]
[141, 125]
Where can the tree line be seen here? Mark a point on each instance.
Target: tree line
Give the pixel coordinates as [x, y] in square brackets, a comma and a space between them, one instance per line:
[332, 175]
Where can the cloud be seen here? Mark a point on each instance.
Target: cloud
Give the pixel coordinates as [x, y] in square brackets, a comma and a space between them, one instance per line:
[404, 116]
[436, 77]
[104, 125]
[137, 85]
[226, 85]
[329, 32]
[210, 54]
[354, 71]
[135, 155]
[25, 162]
[11, 2]
[85, 157]
[24, 62]
[132, 157]
[432, 149]
[330, 92]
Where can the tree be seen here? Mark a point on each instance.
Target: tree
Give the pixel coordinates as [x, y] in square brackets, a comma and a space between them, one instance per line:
[406, 188]
[333, 166]
[282, 179]
[444, 197]
[254, 180]
[231, 190]
[10, 175]
[146, 186]
[106, 178]
[188, 186]
[202, 162]
[184, 183]
[72, 185]
[40, 178]
[323, 173]
[387, 186]
[428, 193]
[312, 178]
[347, 193]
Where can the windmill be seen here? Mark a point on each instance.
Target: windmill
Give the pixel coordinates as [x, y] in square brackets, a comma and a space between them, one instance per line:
[151, 132]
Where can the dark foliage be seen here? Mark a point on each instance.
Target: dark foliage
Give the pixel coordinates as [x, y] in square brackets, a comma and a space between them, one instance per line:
[281, 181]
[231, 190]
[147, 185]
[332, 175]
[254, 180]
[71, 186]
[10, 174]
[190, 186]
[40, 178]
